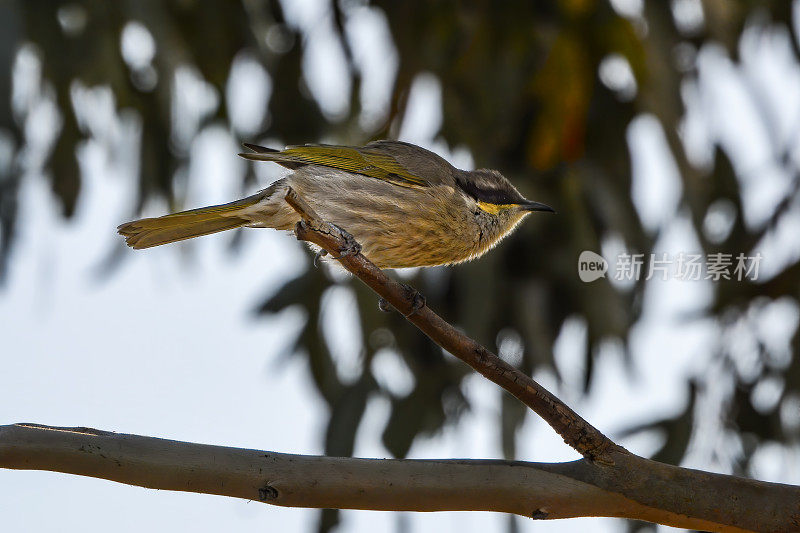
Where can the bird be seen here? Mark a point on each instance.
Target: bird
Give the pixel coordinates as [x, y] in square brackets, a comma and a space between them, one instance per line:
[405, 205]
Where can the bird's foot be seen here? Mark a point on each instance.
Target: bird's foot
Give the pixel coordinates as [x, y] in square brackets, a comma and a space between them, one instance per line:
[412, 295]
[351, 246]
[417, 300]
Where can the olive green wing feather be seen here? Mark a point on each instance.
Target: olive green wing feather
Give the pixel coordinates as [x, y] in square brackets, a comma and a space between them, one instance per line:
[367, 161]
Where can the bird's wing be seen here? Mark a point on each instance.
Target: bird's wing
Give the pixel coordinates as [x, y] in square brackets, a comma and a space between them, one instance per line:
[368, 161]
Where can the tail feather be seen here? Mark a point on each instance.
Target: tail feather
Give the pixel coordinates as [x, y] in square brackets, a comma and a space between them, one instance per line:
[262, 153]
[260, 149]
[149, 232]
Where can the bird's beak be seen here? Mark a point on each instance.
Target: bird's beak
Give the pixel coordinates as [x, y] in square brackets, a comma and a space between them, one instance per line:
[536, 206]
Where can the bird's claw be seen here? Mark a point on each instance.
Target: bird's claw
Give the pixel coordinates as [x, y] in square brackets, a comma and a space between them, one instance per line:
[351, 246]
[322, 253]
[411, 294]
[417, 299]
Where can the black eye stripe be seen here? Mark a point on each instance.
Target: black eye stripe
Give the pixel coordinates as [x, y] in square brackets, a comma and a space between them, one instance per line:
[489, 193]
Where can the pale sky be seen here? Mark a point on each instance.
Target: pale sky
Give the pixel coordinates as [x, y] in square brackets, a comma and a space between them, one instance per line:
[168, 345]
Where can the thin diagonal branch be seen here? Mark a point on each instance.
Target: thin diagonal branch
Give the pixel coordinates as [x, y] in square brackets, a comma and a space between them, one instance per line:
[575, 431]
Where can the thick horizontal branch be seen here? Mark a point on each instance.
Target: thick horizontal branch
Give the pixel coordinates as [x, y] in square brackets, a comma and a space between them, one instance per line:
[537, 490]
[575, 431]
[296, 480]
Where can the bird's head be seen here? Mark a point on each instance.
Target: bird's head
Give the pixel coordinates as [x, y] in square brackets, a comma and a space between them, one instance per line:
[495, 195]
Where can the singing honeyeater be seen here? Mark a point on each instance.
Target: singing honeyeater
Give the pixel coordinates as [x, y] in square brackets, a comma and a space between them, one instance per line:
[405, 205]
